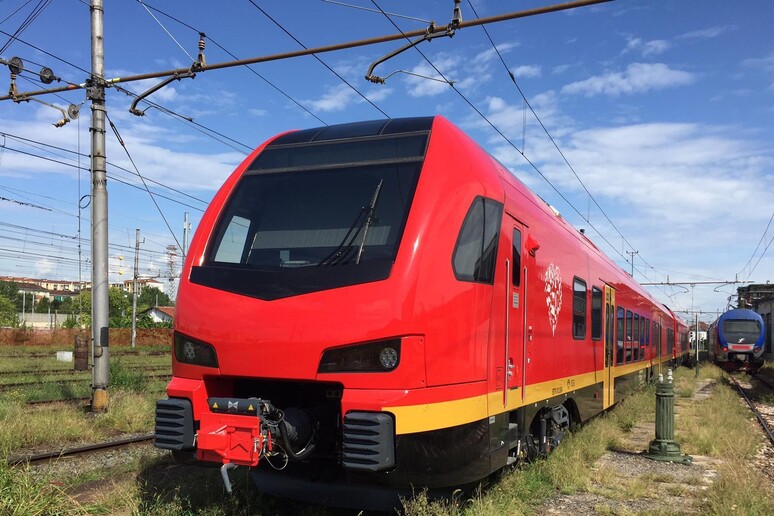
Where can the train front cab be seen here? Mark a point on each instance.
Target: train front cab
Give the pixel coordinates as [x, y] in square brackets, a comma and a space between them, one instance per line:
[491, 369]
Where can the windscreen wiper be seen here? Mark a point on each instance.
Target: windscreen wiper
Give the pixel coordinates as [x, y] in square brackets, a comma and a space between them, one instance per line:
[345, 246]
[369, 219]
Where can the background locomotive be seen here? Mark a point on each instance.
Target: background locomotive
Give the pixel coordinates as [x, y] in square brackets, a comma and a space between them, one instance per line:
[371, 307]
[736, 340]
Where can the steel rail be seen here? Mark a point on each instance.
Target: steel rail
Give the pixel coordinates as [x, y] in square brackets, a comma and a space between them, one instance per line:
[67, 372]
[4, 386]
[78, 450]
[766, 427]
[71, 401]
[23, 97]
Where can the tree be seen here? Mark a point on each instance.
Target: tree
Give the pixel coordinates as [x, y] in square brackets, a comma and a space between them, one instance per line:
[119, 302]
[43, 305]
[9, 289]
[8, 316]
[150, 297]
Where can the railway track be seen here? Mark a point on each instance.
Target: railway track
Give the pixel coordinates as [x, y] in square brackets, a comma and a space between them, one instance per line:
[6, 386]
[74, 372]
[763, 413]
[39, 458]
[112, 354]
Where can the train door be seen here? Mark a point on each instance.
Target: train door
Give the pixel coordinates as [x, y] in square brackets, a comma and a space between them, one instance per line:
[516, 303]
[609, 389]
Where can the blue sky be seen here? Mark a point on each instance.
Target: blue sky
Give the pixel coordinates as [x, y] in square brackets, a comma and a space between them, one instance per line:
[663, 110]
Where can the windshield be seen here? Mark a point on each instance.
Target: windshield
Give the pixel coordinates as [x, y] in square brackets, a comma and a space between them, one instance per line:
[288, 230]
[741, 331]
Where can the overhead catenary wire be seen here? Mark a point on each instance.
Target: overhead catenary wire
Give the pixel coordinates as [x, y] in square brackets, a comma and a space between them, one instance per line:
[334, 72]
[507, 140]
[551, 138]
[36, 11]
[34, 143]
[112, 177]
[163, 217]
[233, 56]
[327, 48]
[760, 241]
[71, 86]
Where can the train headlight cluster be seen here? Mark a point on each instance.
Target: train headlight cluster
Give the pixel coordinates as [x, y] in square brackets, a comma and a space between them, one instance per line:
[388, 357]
[373, 357]
[195, 352]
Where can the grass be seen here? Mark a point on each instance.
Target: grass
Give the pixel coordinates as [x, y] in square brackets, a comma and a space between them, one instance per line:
[739, 490]
[24, 495]
[719, 426]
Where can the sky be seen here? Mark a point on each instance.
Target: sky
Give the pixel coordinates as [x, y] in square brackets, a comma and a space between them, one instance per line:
[648, 124]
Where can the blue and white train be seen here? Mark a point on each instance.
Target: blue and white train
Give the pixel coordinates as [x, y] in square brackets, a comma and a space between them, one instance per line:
[736, 340]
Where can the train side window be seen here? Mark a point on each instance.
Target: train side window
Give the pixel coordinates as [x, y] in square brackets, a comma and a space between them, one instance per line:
[636, 337]
[646, 331]
[578, 309]
[476, 249]
[596, 313]
[516, 268]
[629, 318]
[619, 354]
[234, 241]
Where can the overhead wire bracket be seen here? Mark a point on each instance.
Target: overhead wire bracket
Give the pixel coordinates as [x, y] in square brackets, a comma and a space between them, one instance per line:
[429, 35]
[16, 67]
[191, 73]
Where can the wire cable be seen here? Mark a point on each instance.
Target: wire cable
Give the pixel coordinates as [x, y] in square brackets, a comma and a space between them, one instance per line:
[164, 218]
[79, 155]
[524, 156]
[36, 11]
[233, 56]
[550, 137]
[168, 33]
[334, 72]
[763, 237]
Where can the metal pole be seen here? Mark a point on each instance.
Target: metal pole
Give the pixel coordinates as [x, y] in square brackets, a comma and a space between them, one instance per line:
[186, 230]
[99, 215]
[134, 286]
[697, 345]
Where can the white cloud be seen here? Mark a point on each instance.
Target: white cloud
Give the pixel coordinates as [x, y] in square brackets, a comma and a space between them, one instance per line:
[763, 63]
[708, 33]
[646, 48]
[638, 78]
[337, 98]
[527, 71]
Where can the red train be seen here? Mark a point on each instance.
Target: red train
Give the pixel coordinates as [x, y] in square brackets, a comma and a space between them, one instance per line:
[371, 307]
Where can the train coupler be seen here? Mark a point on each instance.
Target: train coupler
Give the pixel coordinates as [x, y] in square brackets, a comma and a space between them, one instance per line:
[242, 432]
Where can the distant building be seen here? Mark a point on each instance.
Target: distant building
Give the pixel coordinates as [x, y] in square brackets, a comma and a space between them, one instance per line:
[142, 283]
[760, 298]
[53, 290]
[161, 313]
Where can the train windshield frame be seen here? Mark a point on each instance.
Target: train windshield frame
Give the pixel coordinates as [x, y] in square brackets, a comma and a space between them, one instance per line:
[315, 216]
[737, 331]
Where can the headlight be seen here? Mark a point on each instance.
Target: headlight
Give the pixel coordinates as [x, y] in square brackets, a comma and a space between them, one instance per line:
[373, 357]
[195, 352]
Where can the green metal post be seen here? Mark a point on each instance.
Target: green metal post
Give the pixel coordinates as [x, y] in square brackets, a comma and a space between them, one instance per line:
[664, 447]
